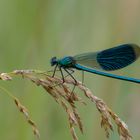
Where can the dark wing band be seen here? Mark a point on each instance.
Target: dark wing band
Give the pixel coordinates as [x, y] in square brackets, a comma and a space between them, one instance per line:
[118, 57]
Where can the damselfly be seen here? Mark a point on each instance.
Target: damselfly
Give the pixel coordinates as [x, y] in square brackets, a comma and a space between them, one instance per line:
[95, 62]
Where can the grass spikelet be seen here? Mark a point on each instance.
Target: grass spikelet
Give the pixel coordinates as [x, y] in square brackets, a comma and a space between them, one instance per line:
[63, 95]
[24, 110]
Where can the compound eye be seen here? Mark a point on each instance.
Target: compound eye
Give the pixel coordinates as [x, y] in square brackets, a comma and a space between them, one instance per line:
[53, 61]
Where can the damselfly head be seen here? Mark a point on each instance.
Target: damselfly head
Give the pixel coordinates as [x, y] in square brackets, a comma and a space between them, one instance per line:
[53, 61]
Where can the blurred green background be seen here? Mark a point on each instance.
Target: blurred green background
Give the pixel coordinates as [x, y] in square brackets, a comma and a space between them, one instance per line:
[32, 31]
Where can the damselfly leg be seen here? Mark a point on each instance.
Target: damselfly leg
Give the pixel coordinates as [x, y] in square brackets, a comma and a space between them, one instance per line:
[69, 73]
[54, 70]
[75, 81]
[82, 77]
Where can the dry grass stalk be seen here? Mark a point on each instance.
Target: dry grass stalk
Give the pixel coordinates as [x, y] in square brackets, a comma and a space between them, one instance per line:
[63, 95]
[23, 110]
